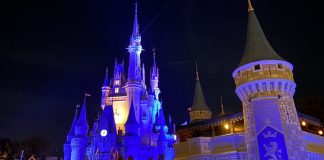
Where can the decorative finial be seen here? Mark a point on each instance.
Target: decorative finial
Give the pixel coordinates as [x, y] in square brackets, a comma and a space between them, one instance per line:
[250, 7]
[197, 75]
[222, 106]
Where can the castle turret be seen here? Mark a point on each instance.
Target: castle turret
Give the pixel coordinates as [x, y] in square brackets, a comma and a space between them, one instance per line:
[265, 85]
[108, 134]
[67, 145]
[199, 110]
[134, 85]
[105, 90]
[154, 79]
[80, 140]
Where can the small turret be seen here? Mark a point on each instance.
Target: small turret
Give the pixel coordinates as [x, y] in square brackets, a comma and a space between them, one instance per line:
[80, 140]
[199, 110]
[155, 77]
[105, 90]
[82, 126]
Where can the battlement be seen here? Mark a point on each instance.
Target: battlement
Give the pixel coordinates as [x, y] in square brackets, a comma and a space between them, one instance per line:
[268, 69]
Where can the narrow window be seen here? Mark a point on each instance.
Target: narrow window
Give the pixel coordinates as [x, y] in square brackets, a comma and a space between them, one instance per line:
[257, 67]
[280, 66]
[116, 90]
[117, 82]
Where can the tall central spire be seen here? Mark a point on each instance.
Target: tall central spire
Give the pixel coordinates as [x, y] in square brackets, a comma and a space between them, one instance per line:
[136, 37]
[135, 49]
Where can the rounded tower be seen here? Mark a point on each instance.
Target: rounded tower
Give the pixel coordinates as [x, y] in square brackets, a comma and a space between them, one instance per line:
[265, 85]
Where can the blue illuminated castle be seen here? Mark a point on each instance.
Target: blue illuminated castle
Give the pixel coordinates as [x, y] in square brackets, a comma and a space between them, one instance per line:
[132, 123]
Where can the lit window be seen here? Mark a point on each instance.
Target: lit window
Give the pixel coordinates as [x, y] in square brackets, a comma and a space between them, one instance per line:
[320, 132]
[117, 82]
[280, 66]
[116, 90]
[303, 123]
[226, 126]
[257, 67]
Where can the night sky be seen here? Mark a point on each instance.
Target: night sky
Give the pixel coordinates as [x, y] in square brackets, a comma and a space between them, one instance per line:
[52, 51]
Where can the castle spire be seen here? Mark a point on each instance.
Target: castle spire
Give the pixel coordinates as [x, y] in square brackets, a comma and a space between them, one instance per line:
[257, 47]
[106, 81]
[82, 121]
[72, 129]
[222, 106]
[135, 35]
[108, 120]
[250, 7]
[131, 125]
[199, 110]
[199, 103]
[197, 74]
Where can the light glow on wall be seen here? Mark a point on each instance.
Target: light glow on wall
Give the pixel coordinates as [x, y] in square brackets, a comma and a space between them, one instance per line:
[303, 123]
[121, 111]
[226, 126]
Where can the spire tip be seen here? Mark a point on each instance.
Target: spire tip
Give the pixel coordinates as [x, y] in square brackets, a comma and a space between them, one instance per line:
[250, 7]
[197, 75]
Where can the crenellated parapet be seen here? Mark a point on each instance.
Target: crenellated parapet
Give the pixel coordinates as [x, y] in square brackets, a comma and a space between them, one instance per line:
[264, 78]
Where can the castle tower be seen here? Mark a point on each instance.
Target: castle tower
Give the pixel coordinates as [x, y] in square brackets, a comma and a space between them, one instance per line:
[154, 79]
[67, 145]
[265, 85]
[80, 140]
[108, 134]
[199, 110]
[105, 90]
[131, 137]
[134, 82]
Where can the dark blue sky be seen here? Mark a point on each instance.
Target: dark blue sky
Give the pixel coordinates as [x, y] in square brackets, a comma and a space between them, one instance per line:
[52, 51]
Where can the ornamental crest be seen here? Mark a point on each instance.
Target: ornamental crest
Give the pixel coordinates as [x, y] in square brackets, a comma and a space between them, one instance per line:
[272, 145]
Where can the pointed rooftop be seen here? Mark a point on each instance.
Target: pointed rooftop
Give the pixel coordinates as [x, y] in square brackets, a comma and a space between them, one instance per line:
[108, 120]
[162, 136]
[82, 121]
[72, 129]
[106, 81]
[154, 68]
[131, 116]
[257, 47]
[161, 118]
[199, 103]
[135, 37]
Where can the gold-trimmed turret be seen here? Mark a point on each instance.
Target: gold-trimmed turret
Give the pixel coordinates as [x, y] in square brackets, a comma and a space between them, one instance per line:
[199, 110]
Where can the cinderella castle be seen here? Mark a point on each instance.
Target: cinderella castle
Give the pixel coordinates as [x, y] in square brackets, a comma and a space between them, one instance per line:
[132, 123]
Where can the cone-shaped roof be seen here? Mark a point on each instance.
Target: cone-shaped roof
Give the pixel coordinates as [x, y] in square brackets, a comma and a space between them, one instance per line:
[106, 81]
[162, 136]
[108, 121]
[131, 116]
[257, 47]
[82, 121]
[161, 118]
[75, 120]
[199, 103]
